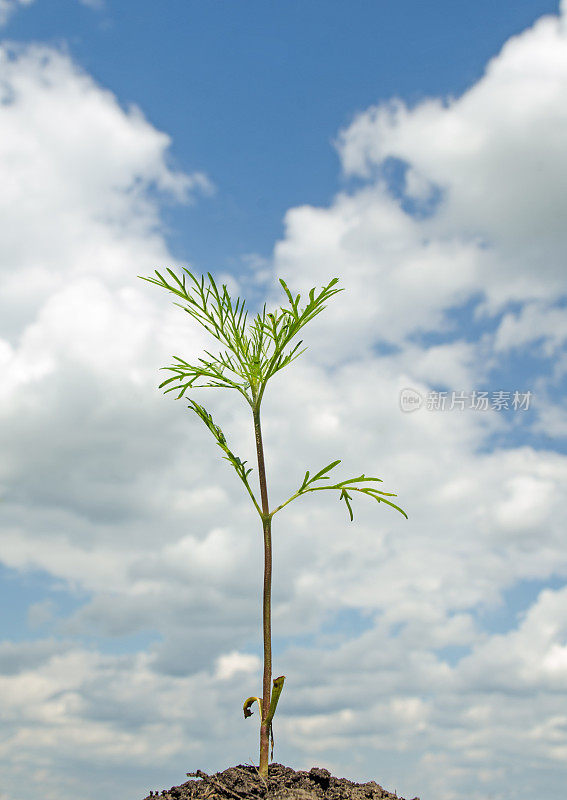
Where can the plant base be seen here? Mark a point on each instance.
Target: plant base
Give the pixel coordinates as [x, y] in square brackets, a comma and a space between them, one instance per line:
[283, 783]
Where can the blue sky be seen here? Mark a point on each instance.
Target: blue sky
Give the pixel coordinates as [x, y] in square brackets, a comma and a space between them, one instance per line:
[417, 153]
[254, 93]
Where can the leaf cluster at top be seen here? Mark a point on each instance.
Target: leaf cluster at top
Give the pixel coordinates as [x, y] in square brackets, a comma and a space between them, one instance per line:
[251, 358]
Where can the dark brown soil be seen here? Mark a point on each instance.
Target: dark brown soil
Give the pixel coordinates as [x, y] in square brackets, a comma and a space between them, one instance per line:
[283, 783]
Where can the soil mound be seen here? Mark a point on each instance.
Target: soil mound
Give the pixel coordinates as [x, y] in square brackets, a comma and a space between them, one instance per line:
[283, 783]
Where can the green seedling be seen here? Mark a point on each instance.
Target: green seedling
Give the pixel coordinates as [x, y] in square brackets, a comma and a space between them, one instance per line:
[251, 358]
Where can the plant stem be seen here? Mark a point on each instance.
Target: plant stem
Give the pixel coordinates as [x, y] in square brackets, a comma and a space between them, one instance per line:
[267, 682]
[267, 526]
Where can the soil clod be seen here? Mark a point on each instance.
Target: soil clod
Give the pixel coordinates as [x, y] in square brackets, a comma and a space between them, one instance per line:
[283, 783]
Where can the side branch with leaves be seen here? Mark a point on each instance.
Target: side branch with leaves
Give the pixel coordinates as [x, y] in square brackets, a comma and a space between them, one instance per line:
[344, 487]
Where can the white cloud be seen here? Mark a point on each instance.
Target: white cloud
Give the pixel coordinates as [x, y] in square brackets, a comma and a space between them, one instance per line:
[485, 522]
[118, 493]
[235, 662]
[496, 153]
[534, 321]
[497, 235]
[529, 658]
[8, 7]
[397, 279]
[86, 204]
[525, 505]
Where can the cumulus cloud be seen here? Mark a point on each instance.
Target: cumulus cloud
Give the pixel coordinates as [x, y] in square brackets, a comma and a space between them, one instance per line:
[88, 209]
[495, 152]
[8, 7]
[118, 495]
[534, 321]
[496, 156]
[530, 658]
[476, 220]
